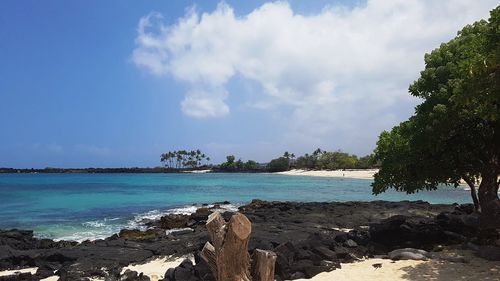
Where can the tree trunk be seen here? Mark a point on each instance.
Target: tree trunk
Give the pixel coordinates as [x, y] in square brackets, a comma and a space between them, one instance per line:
[228, 258]
[473, 193]
[489, 201]
[263, 265]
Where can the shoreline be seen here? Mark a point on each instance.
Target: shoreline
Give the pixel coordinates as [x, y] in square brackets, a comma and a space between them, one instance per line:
[303, 233]
[475, 269]
[366, 174]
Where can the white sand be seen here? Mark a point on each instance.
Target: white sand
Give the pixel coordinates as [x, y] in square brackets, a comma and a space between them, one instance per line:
[56, 278]
[31, 270]
[155, 269]
[353, 174]
[198, 171]
[51, 278]
[434, 270]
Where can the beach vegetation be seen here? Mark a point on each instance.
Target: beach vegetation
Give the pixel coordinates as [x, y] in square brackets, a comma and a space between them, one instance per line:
[454, 134]
[279, 164]
[333, 160]
[181, 159]
[233, 165]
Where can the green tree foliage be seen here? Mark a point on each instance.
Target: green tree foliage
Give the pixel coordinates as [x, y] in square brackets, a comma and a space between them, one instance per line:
[234, 165]
[306, 162]
[336, 160]
[183, 159]
[230, 164]
[279, 164]
[332, 160]
[251, 165]
[366, 162]
[455, 132]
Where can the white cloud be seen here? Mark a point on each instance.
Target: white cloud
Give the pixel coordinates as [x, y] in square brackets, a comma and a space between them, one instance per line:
[201, 103]
[339, 69]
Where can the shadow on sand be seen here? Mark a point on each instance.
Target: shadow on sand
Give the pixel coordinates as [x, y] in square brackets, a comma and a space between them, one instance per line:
[475, 269]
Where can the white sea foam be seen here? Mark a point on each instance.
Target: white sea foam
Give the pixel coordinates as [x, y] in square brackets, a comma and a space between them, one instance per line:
[95, 224]
[170, 231]
[103, 228]
[186, 210]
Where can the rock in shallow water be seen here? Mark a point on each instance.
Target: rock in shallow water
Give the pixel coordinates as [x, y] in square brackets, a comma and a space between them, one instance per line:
[174, 221]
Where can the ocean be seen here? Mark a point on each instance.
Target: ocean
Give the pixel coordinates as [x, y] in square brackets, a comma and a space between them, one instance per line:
[93, 206]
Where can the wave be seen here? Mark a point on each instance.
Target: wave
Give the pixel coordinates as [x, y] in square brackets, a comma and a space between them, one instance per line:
[83, 236]
[140, 219]
[103, 228]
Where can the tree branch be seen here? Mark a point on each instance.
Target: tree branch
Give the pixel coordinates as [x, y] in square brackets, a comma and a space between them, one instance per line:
[473, 193]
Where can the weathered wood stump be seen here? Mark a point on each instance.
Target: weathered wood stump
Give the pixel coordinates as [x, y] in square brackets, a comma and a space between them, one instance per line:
[263, 265]
[228, 257]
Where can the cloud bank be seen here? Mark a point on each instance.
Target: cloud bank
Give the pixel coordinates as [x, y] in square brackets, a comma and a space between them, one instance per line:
[342, 71]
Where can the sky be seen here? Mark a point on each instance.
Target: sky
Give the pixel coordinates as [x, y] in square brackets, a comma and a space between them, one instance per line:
[116, 83]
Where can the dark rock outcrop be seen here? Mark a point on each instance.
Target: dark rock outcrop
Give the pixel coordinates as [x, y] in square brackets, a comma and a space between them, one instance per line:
[305, 236]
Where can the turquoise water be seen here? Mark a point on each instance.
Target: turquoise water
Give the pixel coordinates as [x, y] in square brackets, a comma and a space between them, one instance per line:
[90, 206]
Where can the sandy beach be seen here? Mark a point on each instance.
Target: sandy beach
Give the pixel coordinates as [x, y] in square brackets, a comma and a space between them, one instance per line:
[387, 270]
[353, 174]
[31, 270]
[412, 270]
[155, 269]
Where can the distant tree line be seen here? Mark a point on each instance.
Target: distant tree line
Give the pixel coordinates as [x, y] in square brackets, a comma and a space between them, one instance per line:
[233, 165]
[321, 160]
[50, 170]
[180, 159]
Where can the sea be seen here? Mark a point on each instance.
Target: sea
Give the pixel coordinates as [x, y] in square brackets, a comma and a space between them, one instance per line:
[94, 206]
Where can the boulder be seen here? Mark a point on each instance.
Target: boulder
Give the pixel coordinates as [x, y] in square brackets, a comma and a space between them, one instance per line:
[130, 275]
[401, 231]
[350, 243]
[174, 221]
[409, 254]
[135, 234]
[201, 214]
[325, 253]
[297, 275]
[184, 272]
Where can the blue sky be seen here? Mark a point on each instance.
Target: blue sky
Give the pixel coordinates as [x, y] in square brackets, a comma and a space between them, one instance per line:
[115, 83]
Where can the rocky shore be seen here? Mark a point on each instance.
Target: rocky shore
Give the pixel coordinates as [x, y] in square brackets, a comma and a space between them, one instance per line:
[308, 238]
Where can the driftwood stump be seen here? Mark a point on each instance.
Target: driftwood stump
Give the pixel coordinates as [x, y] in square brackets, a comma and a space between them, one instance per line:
[263, 265]
[228, 257]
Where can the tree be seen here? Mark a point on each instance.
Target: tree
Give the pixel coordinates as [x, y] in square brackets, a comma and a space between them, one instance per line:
[182, 159]
[292, 159]
[230, 159]
[455, 132]
[235, 166]
[239, 164]
[306, 162]
[336, 160]
[250, 165]
[278, 165]
[365, 162]
[229, 165]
